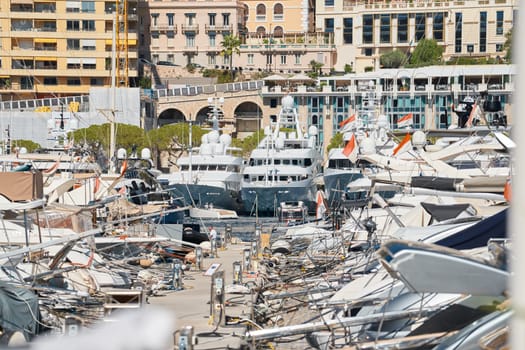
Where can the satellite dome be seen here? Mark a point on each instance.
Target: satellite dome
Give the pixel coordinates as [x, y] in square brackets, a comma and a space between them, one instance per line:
[206, 149]
[145, 153]
[225, 139]
[382, 121]
[367, 146]
[313, 131]
[287, 102]
[419, 139]
[213, 136]
[122, 154]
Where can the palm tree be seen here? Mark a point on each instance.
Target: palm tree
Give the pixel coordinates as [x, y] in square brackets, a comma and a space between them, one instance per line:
[230, 45]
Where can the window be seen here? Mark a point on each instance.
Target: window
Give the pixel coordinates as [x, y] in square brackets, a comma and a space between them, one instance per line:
[170, 19]
[88, 25]
[273, 103]
[226, 19]
[190, 40]
[348, 30]
[171, 58]
[250, 58]
[269, 59]
[278, 12]
[155, 58]
[420, 26]
[73, 81]
[88, 6]
[483, 31]
[261, 31]
[499, 23]
[260, 12]
[170, 34]
[278, 32]
[89, 45]
[73, 25]
[226, 60]
[211, 19]
[50, 81]
[368, 29]
[328, 3]
[190, 19]
[73, 44]
[437, 26]
[297, 59]
[155, 34]
[384, 35]
[368, 52]
[499, 47]
[329, 25]
[283, 59]
[212, 59]
[402, 28]
[212, 40]
[459, 26]
[96, 82]
[154, 19]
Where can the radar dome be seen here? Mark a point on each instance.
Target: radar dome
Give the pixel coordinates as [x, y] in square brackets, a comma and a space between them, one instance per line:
[206, 149]
[279, 143]
[122, 154]
[382, 121]
[419, 139]
[213, 136]
[145, 153]
[218, 148]
[204, 139]
[225, 139]
[367, 146]
[287, 102]
[313, 131]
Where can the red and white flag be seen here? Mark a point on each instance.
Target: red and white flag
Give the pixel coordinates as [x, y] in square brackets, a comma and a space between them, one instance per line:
[406, 120]
[348, 121]
[350, 150]
[320, 210]
[403, 146]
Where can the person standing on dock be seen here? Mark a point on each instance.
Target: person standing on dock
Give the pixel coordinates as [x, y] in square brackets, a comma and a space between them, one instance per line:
[212, 233]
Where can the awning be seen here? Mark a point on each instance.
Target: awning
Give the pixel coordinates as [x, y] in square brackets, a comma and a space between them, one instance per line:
[88, 43]
[73, 61]
[45, 58]
[4, 77]
[89, 60]
[121, 41]
[45, 40]
[73, 4]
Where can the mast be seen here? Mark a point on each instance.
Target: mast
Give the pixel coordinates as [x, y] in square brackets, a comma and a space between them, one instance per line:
[113, 97]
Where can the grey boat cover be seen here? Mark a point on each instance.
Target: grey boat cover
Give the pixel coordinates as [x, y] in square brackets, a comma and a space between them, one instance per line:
[18, 308]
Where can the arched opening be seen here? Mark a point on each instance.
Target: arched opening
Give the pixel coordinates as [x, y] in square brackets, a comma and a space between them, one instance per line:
[261, 31]
[278, 12]
[171, 116]
[248, 119]
[278, 32]
[261, 11]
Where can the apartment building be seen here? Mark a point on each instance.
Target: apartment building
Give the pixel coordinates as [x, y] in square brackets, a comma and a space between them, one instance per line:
[276, 36]
[364, 30]
[62, 48]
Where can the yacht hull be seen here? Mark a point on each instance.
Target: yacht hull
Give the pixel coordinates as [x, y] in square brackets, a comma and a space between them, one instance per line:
[335, 183]
[265, 199]
[202, 195]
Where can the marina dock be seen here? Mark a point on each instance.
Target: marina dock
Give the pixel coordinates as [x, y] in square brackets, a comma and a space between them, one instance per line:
[191, 305]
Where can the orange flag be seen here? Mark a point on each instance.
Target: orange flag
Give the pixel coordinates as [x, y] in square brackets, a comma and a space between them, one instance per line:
[406, 120]
[96, 187]
[507, 193]
[123, 167]
[350, 149]
[404, 144]
[348, 120]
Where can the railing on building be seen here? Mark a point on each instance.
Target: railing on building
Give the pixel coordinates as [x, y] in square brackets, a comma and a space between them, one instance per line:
[54, 103]
[208, 89]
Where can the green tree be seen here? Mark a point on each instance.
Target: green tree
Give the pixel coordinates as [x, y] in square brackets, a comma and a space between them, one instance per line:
[393, 59]
[230, 45]
[335, 142]
[426, 53]
[507, 46]
[316, 69]
[348, 68]
[29, 145]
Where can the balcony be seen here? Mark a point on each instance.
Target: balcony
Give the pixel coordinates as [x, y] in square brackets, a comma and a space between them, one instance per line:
[165, 28]
[190, 49]
[218, 28]
[190, 28]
